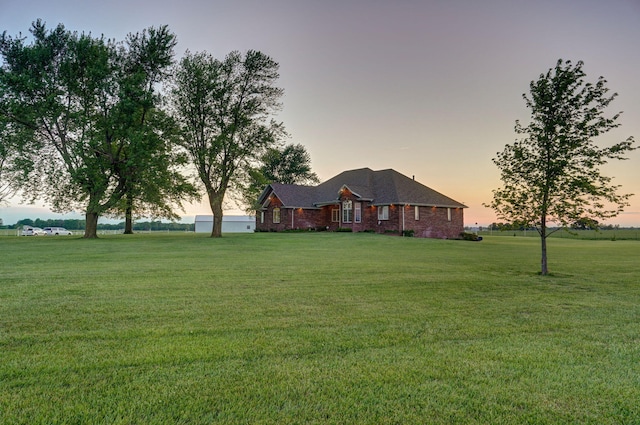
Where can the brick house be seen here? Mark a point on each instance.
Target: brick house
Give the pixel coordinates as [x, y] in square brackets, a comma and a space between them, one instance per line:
[382, 201]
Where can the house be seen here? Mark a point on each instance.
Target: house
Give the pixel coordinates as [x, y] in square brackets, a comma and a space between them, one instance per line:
[230, 224]
[382, 201]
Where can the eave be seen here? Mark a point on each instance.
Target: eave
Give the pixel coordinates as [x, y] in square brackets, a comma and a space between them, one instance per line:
[417, 204]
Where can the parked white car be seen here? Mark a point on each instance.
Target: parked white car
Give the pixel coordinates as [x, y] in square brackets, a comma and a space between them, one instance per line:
[32, 231]
[55, 231]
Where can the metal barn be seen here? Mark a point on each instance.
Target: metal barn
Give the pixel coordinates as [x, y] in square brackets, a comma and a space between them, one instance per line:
[230, 224]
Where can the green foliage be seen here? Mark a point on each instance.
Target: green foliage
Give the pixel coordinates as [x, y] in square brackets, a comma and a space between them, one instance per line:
[552, 174]
[224, 109]
[289, 165]
[155, 226]
[74, 224]
[83, 112]
[10, 160]
[585, 223]
[344, 229]
[470, 236]
[408, 233]
[317, 328]
[510, 226]
[62, 80]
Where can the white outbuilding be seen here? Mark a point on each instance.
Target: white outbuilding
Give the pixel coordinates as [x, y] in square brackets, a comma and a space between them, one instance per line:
[230, 224]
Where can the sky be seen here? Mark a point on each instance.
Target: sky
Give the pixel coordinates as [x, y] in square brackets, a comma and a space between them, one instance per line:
[430, 88]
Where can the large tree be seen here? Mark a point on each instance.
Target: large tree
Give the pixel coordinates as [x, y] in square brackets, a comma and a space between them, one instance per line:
[225, 109]
[85, 103]
[551, 176]
[156, 186]
[288, 165]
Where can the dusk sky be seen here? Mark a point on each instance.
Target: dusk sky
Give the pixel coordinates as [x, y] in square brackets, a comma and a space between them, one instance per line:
[429, 88]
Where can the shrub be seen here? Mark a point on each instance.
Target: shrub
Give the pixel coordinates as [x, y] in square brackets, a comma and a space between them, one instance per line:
[470, 236]
[296, 230]
[344, 229]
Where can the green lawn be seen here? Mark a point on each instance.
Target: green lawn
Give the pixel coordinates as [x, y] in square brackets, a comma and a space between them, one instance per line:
[318, 328]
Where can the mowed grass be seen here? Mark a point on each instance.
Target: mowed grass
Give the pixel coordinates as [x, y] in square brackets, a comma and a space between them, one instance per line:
[318, 328]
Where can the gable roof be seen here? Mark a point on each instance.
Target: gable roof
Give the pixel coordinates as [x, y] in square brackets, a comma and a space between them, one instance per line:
[382, 187]
[291, 195]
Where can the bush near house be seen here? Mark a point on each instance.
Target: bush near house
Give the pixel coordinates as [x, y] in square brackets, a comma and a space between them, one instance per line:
[470, 236]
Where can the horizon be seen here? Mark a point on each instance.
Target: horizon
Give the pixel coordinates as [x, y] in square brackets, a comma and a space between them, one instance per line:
[43, 213]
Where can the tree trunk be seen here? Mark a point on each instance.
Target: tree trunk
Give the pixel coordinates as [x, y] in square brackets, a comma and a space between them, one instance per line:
[91, 226]
[543, 261]
[215, 201]
[543, 242]
[128, 220]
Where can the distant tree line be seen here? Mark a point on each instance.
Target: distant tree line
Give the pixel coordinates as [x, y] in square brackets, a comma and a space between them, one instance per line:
[75, 224]
[507, 226]
[582, 224]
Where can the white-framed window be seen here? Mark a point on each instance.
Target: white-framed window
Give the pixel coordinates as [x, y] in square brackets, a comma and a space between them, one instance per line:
[276, 215]
[347, 211]
[448, 214]
[383, 212]
[261, 217]
[335, 215]
[417, 213]
[357, 213]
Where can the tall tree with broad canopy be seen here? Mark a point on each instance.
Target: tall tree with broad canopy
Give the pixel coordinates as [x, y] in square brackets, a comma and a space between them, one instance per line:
[155, 186]
[552, 175]
[224, 108]
[288, 165]
[85, 103]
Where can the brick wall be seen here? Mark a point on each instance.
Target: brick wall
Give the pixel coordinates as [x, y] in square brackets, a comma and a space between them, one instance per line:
[433, 222]
[289, 218]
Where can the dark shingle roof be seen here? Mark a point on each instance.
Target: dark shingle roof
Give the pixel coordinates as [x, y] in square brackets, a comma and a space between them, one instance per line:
[382, 187]
[291, 195]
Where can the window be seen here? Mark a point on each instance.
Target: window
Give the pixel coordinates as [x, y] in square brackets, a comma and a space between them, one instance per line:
[383, 212]
[448, 214]
[358, 213]
[335, 215]
[347, 211]
[417, 213]
[261, 216]
[276, 215]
